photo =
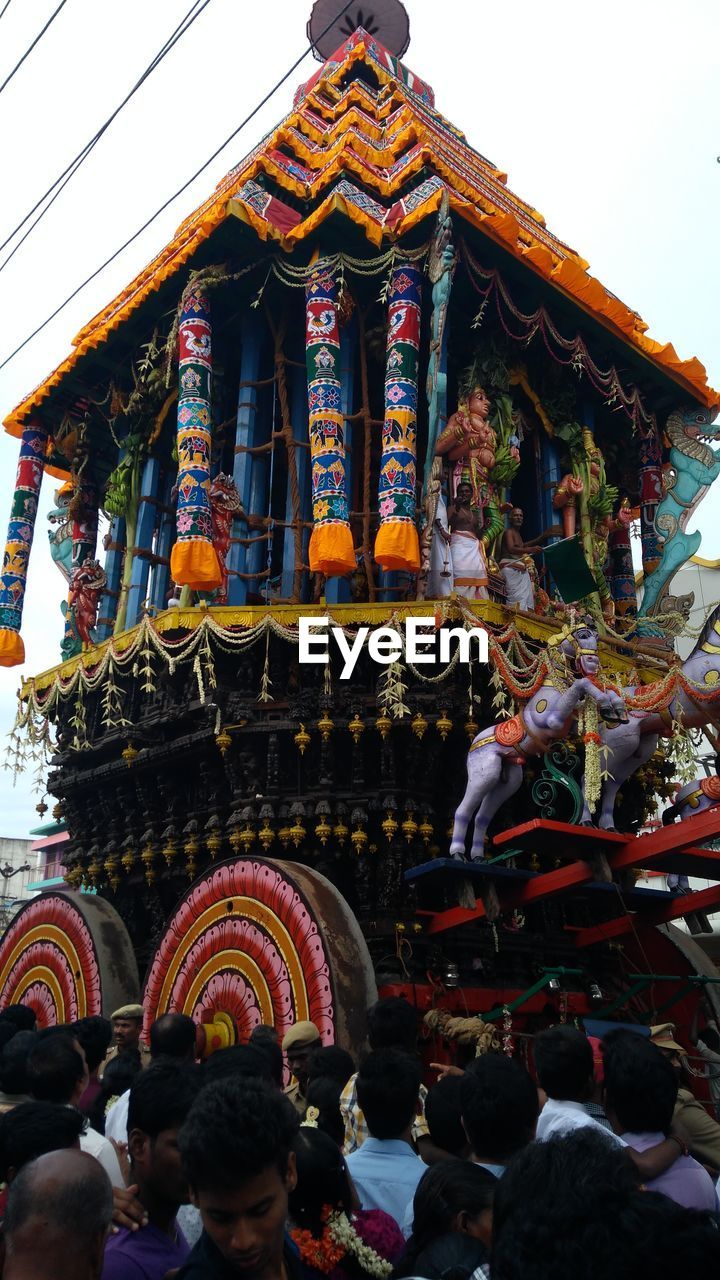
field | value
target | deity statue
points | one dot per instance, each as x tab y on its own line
440	572
565	499
469	438
60	534
87	585
225	506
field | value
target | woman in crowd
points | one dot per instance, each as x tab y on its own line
452	1222
332	1234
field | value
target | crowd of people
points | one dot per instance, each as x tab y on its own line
291	1161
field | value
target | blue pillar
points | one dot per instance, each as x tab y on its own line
147	516
245	437
299	421
165	539
113	571
337	590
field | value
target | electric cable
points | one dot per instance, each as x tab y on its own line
71	169
30	48
131	239
5	7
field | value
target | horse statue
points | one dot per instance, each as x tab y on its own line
688	695
693	468
498	753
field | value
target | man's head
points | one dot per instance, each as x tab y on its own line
499	1108
663	1037
572	1207
236	1151
33	1129
95	1035
392	1024
516	518
127	1025
13	1062
160	1100
443	1113
239	1061
640	1086
59	1208
564	1064
21	1016
297	1045
332	1062
463	494
56	1069
387	1092
173	1036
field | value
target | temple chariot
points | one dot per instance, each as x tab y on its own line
365	385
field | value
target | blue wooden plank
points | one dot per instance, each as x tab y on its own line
245	437
160	585
147	516
471	870
299	422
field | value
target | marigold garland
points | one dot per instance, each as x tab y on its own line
339	1238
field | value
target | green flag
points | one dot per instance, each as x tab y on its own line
571	571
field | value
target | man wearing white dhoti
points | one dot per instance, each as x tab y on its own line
470	576
440	577
519	587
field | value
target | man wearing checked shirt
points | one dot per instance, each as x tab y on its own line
392	1024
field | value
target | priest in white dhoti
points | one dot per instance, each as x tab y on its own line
467	551
514	553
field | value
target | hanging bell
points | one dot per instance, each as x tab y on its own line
419	725
325	726
302	739
356	727
443	724
383	724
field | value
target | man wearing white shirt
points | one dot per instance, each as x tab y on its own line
171	1036
564	1065
57	1072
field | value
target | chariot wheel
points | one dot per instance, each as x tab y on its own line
262	941
67	955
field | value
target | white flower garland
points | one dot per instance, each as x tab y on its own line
343	1233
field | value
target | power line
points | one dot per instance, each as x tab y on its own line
29	50
71	169
131	239
5	7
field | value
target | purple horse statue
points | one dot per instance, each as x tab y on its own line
497	755
690	696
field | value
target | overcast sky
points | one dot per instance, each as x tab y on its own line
605	117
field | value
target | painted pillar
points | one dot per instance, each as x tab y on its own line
337	590
245	438
84	546
331	545
21	528
146	521
166	533
298	418
622	574
194	562
650	450
397	545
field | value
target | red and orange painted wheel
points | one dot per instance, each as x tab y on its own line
67	955
264	942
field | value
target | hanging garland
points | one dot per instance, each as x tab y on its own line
574	351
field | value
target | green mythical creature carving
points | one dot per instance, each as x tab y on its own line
693	468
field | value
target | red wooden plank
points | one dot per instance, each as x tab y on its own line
547	885
683	905
641	851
